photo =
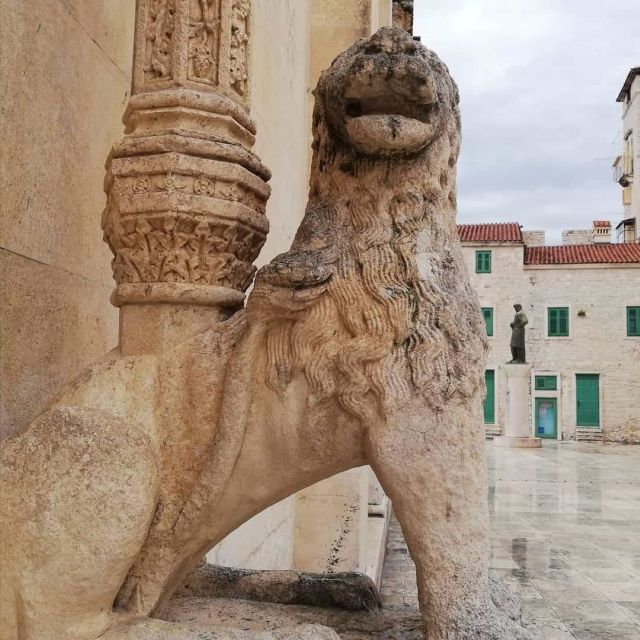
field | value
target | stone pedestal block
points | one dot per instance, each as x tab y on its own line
517	430
331	524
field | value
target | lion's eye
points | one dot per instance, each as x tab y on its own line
354	109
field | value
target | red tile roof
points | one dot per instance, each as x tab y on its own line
584	254
490	232
601	223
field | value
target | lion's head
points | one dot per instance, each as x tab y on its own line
386	95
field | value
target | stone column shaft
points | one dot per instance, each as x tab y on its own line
186	196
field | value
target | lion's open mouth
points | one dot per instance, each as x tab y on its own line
381	115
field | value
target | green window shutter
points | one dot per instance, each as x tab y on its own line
552	322
487	314
557	321
633	321
483	261
563	322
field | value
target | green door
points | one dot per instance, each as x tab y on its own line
587	400
490	398
546	417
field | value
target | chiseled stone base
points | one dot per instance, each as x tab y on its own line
517	443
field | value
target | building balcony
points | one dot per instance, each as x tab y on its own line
623	170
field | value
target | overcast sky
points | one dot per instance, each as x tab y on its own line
540	125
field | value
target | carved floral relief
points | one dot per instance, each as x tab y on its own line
159	28
201	185
240	11
173	249
204	39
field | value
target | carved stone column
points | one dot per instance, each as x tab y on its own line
186	196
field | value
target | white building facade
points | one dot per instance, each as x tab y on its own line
583	337
628	230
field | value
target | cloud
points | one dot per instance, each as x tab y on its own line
538	81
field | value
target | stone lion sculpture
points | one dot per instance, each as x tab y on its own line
361	345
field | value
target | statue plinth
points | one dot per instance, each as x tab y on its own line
517	429
186	196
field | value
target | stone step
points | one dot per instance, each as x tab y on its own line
491	431
589	435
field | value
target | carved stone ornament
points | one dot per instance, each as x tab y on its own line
203	44
159	23
363	344
240	45
186	197
204	39
179	218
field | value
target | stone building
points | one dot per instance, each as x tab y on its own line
583	337
628	230
65	81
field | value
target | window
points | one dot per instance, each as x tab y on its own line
628	154
557	322
483	261
487	314
633	322
546	383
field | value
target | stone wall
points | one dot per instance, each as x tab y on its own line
534	238
597	343
65	76
577	236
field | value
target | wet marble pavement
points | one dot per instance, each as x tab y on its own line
565	523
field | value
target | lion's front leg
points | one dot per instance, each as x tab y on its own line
432	467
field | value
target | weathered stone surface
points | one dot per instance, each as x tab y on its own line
627	432
403	14
364	344
146	629
352	591
400	620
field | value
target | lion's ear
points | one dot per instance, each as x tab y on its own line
292	282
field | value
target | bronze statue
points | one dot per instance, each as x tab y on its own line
518	355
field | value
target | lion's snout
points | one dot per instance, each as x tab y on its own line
386	95
389	96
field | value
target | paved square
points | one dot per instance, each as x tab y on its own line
565	525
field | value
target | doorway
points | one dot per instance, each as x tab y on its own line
546	417
587	400
490	398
